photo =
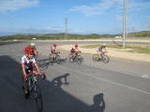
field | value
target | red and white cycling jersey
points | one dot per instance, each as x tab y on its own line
26	61
73	50
54	49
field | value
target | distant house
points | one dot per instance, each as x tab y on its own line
118	36
33	38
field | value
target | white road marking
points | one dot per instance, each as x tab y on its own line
112	82
127	72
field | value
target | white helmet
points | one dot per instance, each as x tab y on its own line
32	44
104	44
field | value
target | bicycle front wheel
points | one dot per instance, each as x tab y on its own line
105	59
58	59
38	100
79	59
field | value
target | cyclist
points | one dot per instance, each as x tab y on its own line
102	49
32	45
73	52
29	64
54	50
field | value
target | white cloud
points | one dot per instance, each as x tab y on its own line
137	6
99	8
53	28
109	5
9	5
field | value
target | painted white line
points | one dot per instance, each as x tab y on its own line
114	83
127	72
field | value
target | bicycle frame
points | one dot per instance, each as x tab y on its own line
56	58
34	91
32	85
103	58
77	58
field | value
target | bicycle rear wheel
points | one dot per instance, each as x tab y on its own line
95	57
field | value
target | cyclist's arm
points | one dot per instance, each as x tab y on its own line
36	52
23	70
77	50
58	50
104	50
37	67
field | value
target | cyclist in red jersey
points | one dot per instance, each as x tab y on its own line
54	50
28	63
73	52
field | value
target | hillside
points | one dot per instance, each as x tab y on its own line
62	36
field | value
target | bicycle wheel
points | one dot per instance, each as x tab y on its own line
95	57
35	92
105	59
38	100
79	59
58	59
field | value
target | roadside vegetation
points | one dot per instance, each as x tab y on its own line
62	36
128	48
143	35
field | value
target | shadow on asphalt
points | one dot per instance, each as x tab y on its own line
55	99
9	42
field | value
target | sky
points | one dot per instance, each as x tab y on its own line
81	16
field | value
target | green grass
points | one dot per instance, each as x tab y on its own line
128	48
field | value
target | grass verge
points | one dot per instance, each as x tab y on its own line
128	48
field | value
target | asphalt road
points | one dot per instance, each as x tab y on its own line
119	86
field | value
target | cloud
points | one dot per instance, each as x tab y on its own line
109	5
97	9
135	7
53	28
12	5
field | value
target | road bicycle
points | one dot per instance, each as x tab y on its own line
56	58
103	58
77	58
34	90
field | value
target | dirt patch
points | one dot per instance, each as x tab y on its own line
117	53
112	52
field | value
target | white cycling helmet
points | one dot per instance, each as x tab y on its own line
104	44
32	44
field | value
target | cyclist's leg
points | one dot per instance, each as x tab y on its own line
25	85
71	56
24	79
51	56
100	54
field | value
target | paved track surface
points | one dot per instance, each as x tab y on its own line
119	86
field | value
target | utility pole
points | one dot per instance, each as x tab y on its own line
66	29
124	23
